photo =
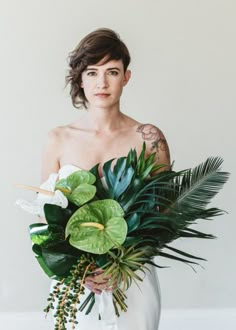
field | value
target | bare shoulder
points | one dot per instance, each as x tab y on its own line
56	134
152	135
155	142
52	151
130	122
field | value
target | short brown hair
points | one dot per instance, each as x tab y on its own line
100	44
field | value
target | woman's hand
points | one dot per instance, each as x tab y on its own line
97	281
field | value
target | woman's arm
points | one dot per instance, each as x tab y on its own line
51	154
50	158
155	142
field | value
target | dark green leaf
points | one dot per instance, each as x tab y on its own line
56	215
59	263
133	221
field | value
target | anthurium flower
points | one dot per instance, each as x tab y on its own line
78	187
97	226
37	205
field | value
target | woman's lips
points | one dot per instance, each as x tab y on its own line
103	95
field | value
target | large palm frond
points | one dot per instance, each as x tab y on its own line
177	199
196	188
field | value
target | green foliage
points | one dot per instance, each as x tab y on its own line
180	199
125	262
195	189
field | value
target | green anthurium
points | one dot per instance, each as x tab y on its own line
82	194
79	177
78	187
97	227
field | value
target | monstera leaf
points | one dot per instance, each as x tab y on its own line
118	179
78	187
97	227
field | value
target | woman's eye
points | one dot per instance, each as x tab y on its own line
91	73
113	73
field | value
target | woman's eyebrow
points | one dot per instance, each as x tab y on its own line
115	68
92	68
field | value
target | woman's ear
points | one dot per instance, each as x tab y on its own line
127	76
81	84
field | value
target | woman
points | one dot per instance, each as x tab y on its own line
98	73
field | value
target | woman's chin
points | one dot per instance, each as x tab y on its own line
105	103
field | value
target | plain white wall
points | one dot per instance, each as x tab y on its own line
183	80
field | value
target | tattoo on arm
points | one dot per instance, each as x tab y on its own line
152	133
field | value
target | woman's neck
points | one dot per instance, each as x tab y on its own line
104	119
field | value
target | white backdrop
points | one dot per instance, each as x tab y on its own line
183	80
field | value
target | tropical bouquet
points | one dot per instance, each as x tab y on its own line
119	223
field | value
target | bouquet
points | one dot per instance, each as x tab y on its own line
119	224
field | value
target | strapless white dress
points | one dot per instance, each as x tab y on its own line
144	303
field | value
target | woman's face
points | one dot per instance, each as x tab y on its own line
103	83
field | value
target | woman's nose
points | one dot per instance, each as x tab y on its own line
102	81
